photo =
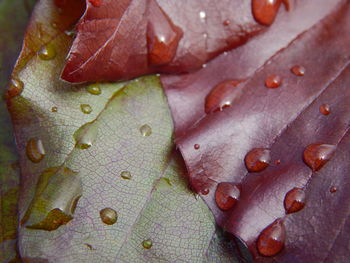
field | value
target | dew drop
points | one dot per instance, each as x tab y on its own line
325	109
265	11
298	70
204	191
317	155
294	200
125	175
94	89
54	109
86	108
47	52
273	81
226	195
226	22
35	150
108	216
221	96
15	87
96	3
333	189
271	240
196	146
86	135
257	159
162	36
146	130
147	244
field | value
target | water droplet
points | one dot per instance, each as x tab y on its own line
202	15
125	175
86	135
278	162
147	244
294	200
204	65
35	150
86	108
325	109
298	70
15	87
226	22
265	11
196	146
257	159
317	155
96	3
146	130
162	36
108	216
47	52
204	191
221	96
94	89
54	219
273	81
226	195
271	239
333	189
54	109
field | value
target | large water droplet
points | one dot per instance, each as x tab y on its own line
317	155
86	135
86	108
273	81
325	109
257	159
162	36
108	216
265	11
15	87
221	96
298	70
94	89
47	52
96	3
125	175
294	200
271	240
146	130
147	244
226	195
35	150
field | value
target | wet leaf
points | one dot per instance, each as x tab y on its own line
74	204
281	132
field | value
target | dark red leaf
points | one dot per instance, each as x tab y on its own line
141	37
307	148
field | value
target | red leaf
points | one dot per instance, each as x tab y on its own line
299	145
141	37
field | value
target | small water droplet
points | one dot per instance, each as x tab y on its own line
298	70
94	89
54	109
162	36
196	146
47	52
265	11
86	135
96	3
147	244
333	189
257	159
278	162
271	240
204	191
325	109
221	96
273	81
146	130
294	200
35	150
108	216
125	175
317	155
202	15
226	195
15	87
86	108
226	22
204	65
